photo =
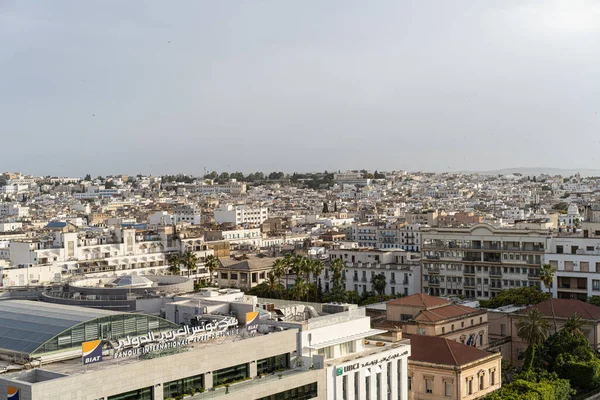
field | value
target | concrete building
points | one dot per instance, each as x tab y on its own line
241	214
480	261
350	178
253	356
401	270
233	188
187	213
13	210
428	217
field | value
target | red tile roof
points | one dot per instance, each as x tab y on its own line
437	350
420	300
445	312
564	308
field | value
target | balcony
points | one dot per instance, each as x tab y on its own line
434	271
355	278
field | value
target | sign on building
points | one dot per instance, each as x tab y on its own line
92	352
252	321
12	393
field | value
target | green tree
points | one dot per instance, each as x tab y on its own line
335	209
87	178
574	325
338	292
325	207
523	296
300	288
547	272
378	283
175	262
533	329
190	261
211	263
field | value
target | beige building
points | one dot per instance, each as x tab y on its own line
421	314
480	261
439	368
244	272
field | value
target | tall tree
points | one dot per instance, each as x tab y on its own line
190	260
338	291
335	206
533	329
547	272
325	207
574	325
212	263
300	288
378	283
175	261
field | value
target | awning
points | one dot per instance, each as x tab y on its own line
343	339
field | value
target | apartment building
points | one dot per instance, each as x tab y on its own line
387	236
480	261
13	210
350	178
232	187
427	217
187	213
241	214
401	270
577	264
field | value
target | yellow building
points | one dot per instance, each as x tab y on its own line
440	368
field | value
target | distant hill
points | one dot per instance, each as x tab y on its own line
539	171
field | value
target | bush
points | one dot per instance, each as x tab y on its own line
518	297
584	374
534	386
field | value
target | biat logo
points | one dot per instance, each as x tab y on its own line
12	393
252	321
92	352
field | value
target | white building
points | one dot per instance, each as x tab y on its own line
160	218
402	272
241	214
187	213
13	209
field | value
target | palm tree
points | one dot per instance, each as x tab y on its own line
190	260
212	263
547	272
318	268
175	260
279	268
533	329
300	288
378	283
574	324
338	292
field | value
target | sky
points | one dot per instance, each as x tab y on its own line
159	87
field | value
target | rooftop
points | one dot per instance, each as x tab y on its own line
420	300
441	351
565	308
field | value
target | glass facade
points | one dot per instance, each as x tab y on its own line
181	386
140	394
272	364
107	328
300	393
231	374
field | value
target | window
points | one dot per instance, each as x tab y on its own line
492	377
409	383
378	385
272	364
368	387
231	374
140	394
447	389
185	385
356	382
469	386
452	327
301	393
559	249
428	385
595	284
422	331
443	330
345	387
481	382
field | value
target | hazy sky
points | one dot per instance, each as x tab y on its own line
175	86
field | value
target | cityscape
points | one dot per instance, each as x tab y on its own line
340	285
285	200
